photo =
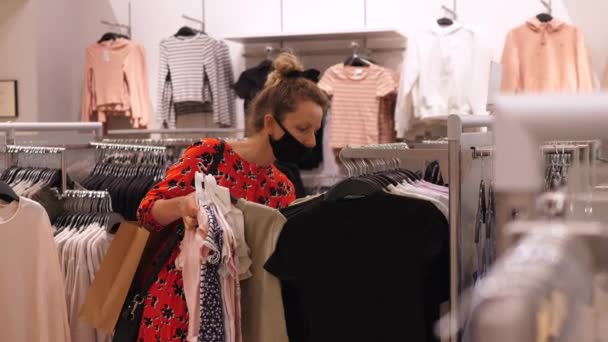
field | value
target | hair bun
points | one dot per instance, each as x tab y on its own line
285	64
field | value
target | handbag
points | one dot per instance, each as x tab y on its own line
127	327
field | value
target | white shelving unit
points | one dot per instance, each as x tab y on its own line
311	36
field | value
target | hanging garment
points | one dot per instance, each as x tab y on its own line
165	311
32	297
195	69
194	256
373	268
545	57
263	317
446	71
116	82
355	95
249	84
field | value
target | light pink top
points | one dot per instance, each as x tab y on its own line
116	81
546	57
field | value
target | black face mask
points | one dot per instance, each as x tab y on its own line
288	149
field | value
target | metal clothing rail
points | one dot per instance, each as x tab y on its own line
14	149
11	128
125	147
174	131
85	194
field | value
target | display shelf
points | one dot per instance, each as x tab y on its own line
307	36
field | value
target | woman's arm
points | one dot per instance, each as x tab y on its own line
168	211
165	203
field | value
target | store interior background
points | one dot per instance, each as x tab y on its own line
42	42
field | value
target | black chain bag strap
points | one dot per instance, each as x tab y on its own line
127	327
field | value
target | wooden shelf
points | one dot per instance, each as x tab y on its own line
308	36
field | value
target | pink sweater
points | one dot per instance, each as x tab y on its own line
116	82
545	57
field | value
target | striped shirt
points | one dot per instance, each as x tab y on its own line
355	92
196	69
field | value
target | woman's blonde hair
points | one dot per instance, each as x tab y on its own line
282	92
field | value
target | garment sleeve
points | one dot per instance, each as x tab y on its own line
226	109
583	64
410	71
327	82
87	91
137	78
179	180
511	67
480	78
243	86
165	93
386	83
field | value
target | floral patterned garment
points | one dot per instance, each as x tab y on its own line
165	316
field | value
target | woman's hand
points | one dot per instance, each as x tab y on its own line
188	208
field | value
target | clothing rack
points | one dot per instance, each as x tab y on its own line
85	194
14	149
11	128
125	147
459	144
214	131
154	142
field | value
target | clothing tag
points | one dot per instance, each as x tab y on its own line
106	56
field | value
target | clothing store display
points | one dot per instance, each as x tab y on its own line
446	71
82	234
102	306
28	181
355	93
31	282
165	310
409	243
126	179
116	82
263	317
195	69
546	57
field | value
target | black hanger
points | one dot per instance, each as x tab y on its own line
186	31
544	17
7	193
445	21
352	187
108	36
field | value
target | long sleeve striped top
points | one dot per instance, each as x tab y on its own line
196	69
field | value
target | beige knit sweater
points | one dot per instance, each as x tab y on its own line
545	57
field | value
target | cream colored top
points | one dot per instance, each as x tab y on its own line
32	300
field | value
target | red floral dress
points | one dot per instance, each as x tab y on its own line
165	316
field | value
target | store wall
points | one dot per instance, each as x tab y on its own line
42	42
18	53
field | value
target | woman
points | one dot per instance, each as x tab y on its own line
286	114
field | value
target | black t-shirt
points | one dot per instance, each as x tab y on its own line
368	269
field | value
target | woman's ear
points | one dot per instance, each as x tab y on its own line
268	123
